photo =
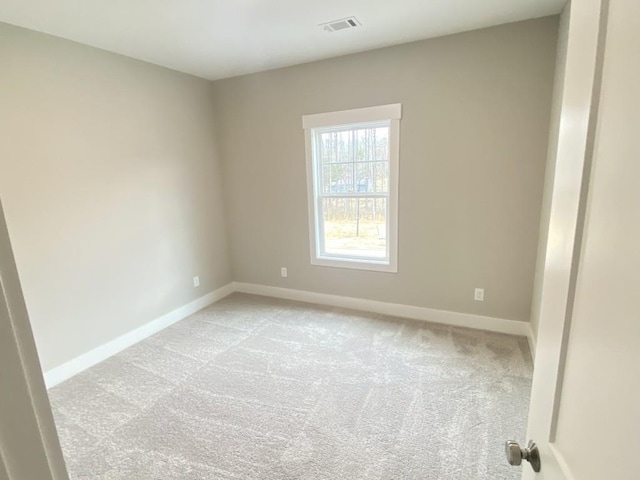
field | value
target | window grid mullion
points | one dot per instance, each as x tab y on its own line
354	195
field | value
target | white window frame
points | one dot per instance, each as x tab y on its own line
345	118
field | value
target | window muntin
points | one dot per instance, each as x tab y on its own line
352	169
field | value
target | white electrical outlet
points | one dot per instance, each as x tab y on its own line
479	295
196	281
283	272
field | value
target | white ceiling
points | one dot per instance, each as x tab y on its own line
222	38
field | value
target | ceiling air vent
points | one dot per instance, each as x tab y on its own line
342	24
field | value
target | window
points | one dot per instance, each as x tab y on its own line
352	181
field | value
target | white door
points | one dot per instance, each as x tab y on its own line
29	447
585	407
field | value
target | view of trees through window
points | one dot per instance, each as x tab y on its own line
353	188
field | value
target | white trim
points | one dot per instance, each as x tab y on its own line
87	360
394	185
468	320
353	263
346	117
311	188
531	338
22	379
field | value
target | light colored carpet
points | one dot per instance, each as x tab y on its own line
258	388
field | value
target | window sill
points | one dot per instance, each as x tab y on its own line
352	264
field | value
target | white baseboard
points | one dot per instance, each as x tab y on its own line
82	362
87	360
478	322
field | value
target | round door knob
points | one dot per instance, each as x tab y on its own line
515	454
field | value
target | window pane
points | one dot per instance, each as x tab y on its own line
355	227
353	159
382	180
340	178
382	143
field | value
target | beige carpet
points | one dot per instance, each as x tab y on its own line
257	388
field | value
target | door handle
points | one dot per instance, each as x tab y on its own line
515	454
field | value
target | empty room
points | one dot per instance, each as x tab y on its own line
267	239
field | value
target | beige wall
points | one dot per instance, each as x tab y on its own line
110	173
550	170
476	109
112	192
